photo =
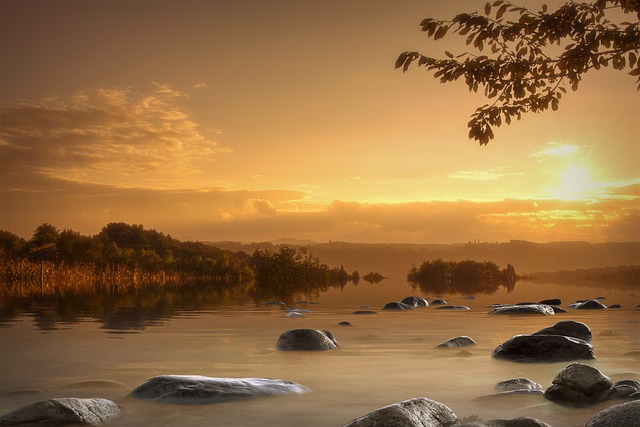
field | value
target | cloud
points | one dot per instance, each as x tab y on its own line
109	136
557	150
480	175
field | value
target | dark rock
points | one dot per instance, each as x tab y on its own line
395	305
364	312
515	422
543	348
453	307
557	309
625	414
524	309
415	301
199	389
624	389
461	341
306	340
568	328
518	384
552	301
69	410
275	303
439	302
344	324
614	306
416	412
578	385
588	305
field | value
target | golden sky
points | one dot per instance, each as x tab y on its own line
255	120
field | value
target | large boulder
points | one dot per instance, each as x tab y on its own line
524	309
416	412
460	341
199	389
543	348
625	414
68	410
518	384
578	384
568	328
415	301
306	340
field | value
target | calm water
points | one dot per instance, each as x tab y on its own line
118	343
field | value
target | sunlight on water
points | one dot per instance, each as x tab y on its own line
383	359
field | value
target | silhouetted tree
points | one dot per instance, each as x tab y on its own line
522	71
44	233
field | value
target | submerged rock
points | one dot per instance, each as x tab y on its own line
439	302
515	422
552	301
588	305
518	384
624	389
306	340
524	309
395	305
453	307
357	312
199	389
625	414
417	412
68	410
568	328
543	348
415	301
578	385
344	324
460	341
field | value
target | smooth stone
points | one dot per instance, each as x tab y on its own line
625	414
344	324
198	389
614	306
524	309
297	310
568	328
364	312
515	422
453	307
439	302
552	301
274	303
68	410
395	305
294	314
624	389
460	341
557	309
415	301
306	340
518	384
589	305
416	412
543	348
578	384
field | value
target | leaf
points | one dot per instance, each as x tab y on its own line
449	54
487	9
501	11
442	31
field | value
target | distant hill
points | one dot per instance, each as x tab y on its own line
395	259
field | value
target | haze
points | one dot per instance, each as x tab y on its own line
256	120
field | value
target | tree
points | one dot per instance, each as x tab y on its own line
522	71
43	234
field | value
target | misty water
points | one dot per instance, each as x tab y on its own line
114	343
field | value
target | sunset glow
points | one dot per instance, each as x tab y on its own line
254	121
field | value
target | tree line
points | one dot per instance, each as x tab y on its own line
125	255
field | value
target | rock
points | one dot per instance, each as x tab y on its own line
397	306
552	301
614	306
344	324
365	312
416	412
460	341
294	314
557	309
68	410
518	384
578	385
515	422
625	414
306	340
453	307
415	301
274	303
439	302
297	310
524	309
624	389
198	389
568	328
588	305
543	348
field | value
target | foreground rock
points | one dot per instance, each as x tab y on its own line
524	309
625	414
543	348
518	384
417	412
69	410
199	389
461	341
579	385
568	328
307	340
516	422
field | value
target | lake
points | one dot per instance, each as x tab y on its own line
113	343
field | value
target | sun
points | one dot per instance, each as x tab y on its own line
575	183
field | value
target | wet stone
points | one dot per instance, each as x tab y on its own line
69	410
306	340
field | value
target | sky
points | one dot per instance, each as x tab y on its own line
254	120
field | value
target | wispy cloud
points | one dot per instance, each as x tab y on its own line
556	150
481	175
